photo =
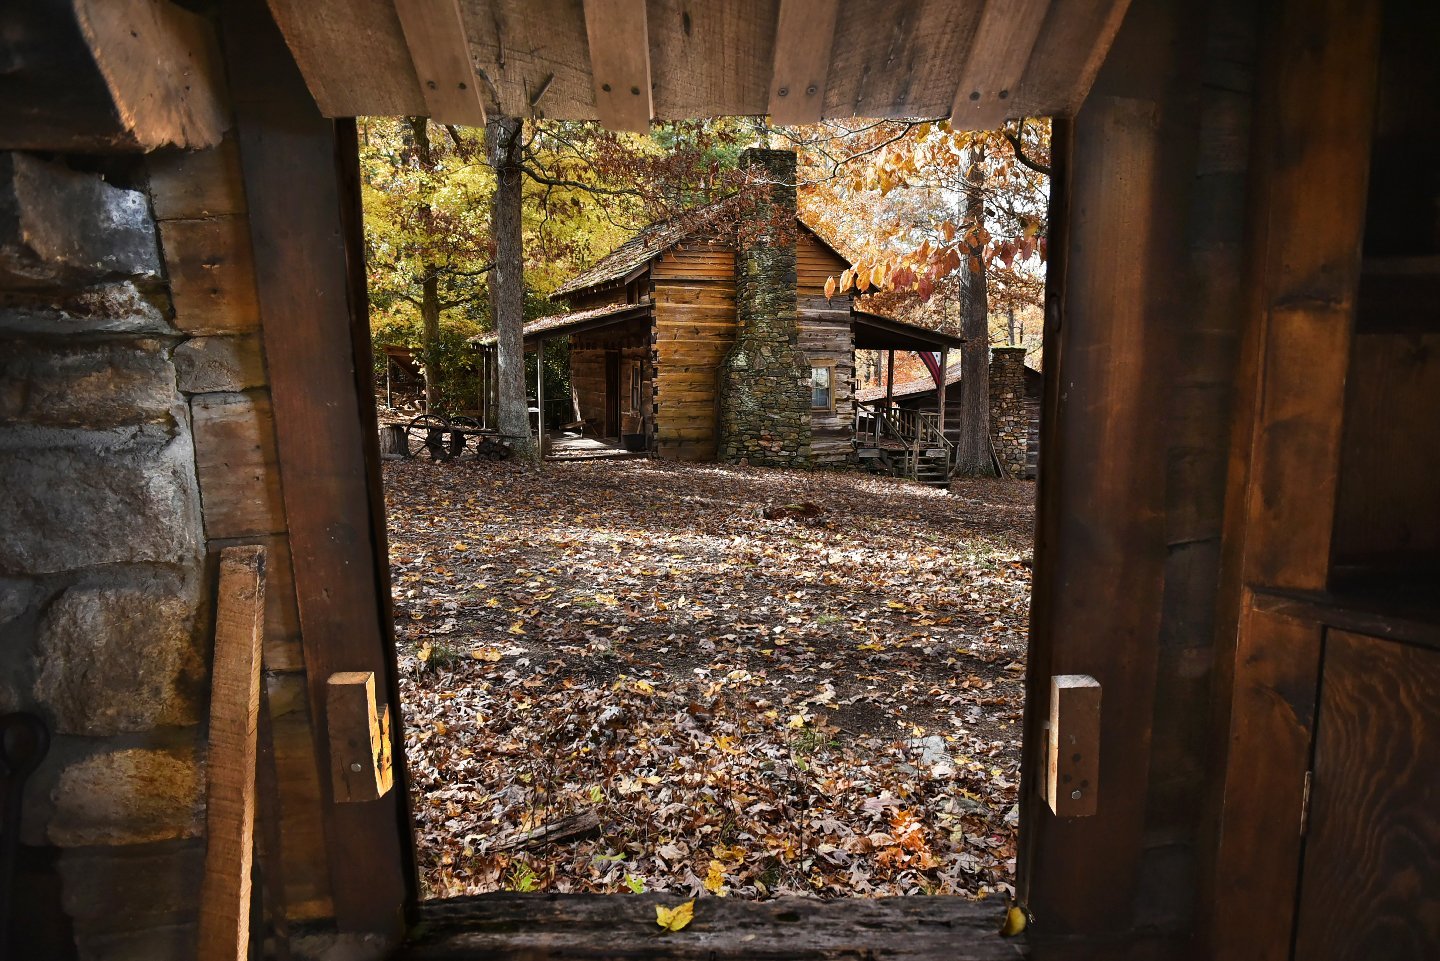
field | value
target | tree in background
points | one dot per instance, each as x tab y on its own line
928	209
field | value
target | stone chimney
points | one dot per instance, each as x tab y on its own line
765	379
1009	421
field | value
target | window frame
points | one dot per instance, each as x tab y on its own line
828	365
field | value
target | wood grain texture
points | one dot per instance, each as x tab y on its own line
804	33
290	157
535	55
1072	776
898	59
237	464
282	619
711	58
352	54
162	65
620	63
440	51
192	184
1073	43
212	274
1277	666
996	62
1371	884
231	756
595	927
360	760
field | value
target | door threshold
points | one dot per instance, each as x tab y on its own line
597	927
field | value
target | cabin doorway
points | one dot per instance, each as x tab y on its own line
612	394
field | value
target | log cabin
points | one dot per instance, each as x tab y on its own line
1231	727
670	355
1014	406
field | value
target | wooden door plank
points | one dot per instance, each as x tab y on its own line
1319	89
620	62
1371	884
231	758
804	34
998	55
435	34
299	217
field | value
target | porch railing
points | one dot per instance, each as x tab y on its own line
913	431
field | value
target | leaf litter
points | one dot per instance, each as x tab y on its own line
623	676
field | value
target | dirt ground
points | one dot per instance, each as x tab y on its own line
623	675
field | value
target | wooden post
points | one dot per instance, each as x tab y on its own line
540	395
940	393
230	761
889	386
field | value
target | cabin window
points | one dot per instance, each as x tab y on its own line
635	387
822	388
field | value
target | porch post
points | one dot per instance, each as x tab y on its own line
889	384
940	391
540	394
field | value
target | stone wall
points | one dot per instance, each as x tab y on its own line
136	441
764	394
1009	413
103	593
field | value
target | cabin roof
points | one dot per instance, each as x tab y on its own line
920	385
577	322
878	332
635	254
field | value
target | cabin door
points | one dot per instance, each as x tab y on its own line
612	393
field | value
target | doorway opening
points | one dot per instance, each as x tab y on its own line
685	672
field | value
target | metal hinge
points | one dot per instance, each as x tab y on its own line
1305	805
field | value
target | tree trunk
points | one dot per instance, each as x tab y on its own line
972	451
507	285
430	336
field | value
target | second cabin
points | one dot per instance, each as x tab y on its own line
697	342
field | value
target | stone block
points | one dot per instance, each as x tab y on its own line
87	384
100	895
207	365
105	308
15	596
63	228
130	796
91	498
122	656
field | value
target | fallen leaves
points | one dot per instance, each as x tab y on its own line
824	704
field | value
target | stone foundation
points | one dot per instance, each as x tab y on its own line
1009	418
765	378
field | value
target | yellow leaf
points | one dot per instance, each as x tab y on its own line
829	287
877	275
1014	921
459	546
486	654
673	919
645	687
517	628
715	879
440	727
862	280
424	653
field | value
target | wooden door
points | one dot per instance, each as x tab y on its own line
1370	888
612	393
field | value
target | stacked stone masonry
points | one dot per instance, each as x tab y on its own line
1009	411
765	378
135	443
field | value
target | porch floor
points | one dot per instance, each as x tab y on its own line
575	447
601	927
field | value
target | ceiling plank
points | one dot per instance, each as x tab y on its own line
898	58
996	64
532	56
804	33
353	56
620	62
435	34
1073	43
711	58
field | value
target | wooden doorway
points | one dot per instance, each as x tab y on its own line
612	393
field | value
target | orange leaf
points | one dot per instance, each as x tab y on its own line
829	287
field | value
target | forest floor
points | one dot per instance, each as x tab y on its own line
621	675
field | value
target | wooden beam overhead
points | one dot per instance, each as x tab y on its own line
620	63
435	34
996	63
804	34
352	54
